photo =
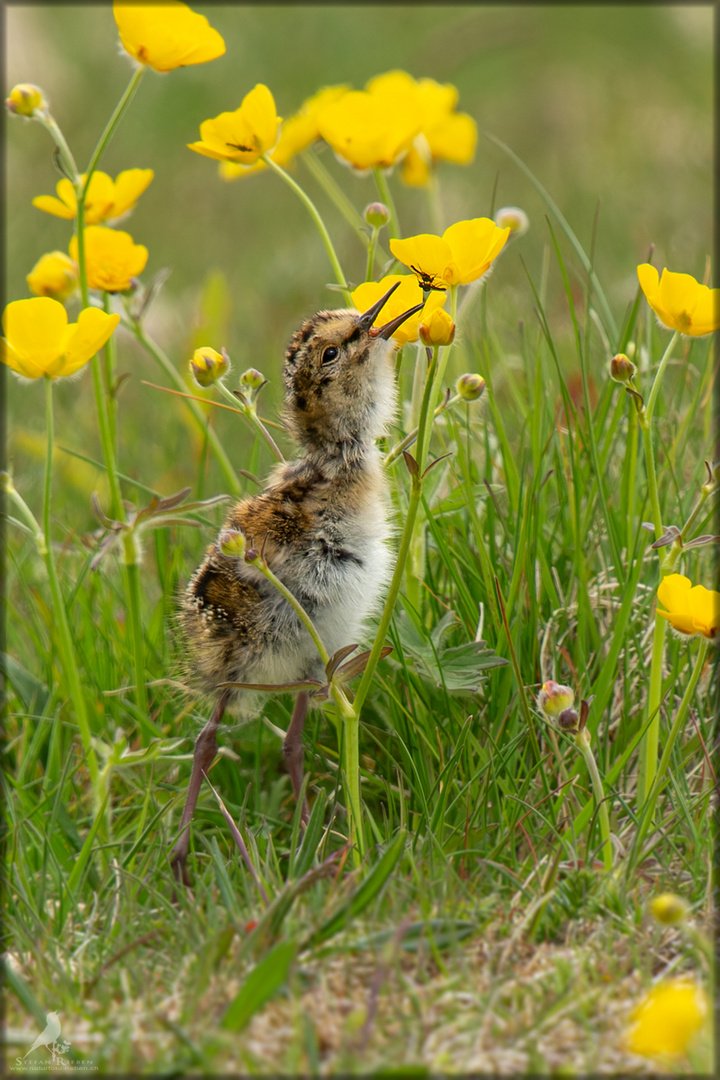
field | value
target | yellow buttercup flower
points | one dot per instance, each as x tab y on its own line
680	302
244	135
106	198
690	609
55	275
462	254
166	36
445	134
368	130
404	297
40	341
668	1019
111	258
296	134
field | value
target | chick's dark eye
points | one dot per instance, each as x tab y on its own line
330	354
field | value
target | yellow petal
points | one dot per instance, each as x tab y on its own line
426	254
649	280
474	245
368	130
674	595
704	606
259	110
415	168
706	317
232	170
453	138
54	206
129	186
83	339
168	35
99	198
673	592
34	331
25	367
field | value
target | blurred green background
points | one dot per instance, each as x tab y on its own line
607	105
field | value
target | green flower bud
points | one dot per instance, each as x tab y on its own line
376	214
232	543
470	386
207	366
513	218
25	100
252	378
622	369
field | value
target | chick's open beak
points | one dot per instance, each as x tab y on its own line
366	320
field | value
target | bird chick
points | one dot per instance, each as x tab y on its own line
323	529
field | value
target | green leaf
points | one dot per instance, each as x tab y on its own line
33	694
363	895
81	862
260	985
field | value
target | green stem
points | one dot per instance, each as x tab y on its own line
372	247
110	355
349	714
336	195
410	438
62	626
260	564
659	781
404	548
583	745
393	225
319	223
650	407
250	413
648	752
106	440
132	599
112	123
162	360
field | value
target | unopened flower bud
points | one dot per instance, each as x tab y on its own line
232	543
470	386
376	214
207	366
54	275
622	369
25	99
554	698
514	219
438	329
568	720
252	378
668	909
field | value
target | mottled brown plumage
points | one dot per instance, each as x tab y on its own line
322	527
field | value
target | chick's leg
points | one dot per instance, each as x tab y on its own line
205	749
293	749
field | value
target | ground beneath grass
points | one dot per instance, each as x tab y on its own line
494	1003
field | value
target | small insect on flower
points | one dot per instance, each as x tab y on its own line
429	281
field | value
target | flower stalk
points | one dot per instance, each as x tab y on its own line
319	223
